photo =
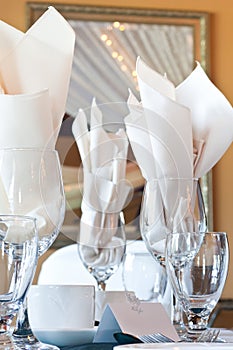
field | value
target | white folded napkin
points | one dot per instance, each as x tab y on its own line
26	120
177	132
35	70
212	119
162	145
105	190
190	126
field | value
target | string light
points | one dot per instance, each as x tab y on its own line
114	54
116	24
108	42
104	37
120	58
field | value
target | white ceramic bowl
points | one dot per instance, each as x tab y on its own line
66	337
62	314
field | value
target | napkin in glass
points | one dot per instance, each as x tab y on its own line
105	189
172	130
197	111
35	70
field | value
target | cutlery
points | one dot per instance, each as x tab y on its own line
208	336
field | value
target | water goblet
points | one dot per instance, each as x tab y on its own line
101	247
31	184
141	275
170	205
197	268
18	259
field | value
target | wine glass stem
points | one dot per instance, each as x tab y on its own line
22	323
178	313
101	285
197	323
178	320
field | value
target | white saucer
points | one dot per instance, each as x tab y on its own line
175	346
68	337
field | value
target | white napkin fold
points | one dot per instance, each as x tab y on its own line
35	70
26	120
162	145
177	133
194	121
212	118
106	190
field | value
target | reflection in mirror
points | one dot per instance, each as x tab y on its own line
108	42
105	57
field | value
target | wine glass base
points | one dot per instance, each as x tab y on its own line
180	328
32	343
6	342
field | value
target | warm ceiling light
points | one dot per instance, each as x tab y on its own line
114	54
104	37
123	67
116	24
120	58
109	42
134	73
122	27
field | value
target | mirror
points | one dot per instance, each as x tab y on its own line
108	41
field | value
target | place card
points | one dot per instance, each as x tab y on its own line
136	318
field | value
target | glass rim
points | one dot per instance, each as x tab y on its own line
14	217
216	232
174	178
35	149
198	233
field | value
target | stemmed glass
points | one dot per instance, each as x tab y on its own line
197	267
141	275
170	205
31	184
101	247
18	259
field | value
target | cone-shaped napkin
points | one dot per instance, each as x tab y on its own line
177	132
192	121
105	190
35	70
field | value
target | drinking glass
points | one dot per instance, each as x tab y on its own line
170	205
197	268
31	184
18	259
101	247
141	275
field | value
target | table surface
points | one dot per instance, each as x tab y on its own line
226	334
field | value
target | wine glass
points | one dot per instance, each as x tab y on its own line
170	205
31	184
18	259
197	267
141	275
101	247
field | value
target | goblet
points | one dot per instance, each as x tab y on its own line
141	275
31	184
170	205
101	247
18	259
197	268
